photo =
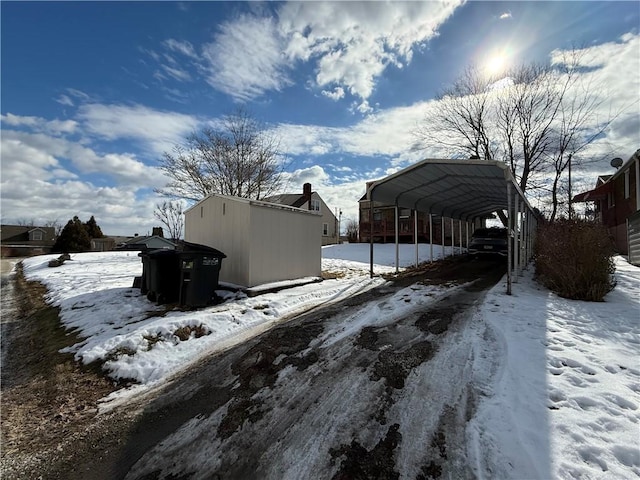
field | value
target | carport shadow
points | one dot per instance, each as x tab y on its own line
510	435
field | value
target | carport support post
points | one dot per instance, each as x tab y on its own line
442	232
516	224
509	222
466	225
453	238
523	223
460	237
397	238
371	237
415	232
431	237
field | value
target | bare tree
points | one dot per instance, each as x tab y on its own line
24	222
171	216
240	158
535	119
352	229
56	225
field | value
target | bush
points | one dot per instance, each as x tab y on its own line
573	258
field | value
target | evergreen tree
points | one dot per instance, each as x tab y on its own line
93	230
73	238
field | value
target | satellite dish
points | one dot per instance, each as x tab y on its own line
616	162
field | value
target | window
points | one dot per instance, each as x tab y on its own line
405	213
377	215
315	205
325	229
627	192
36	235
611	199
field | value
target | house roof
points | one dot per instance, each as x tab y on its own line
605	182
20	233
142	240
291	199
461	189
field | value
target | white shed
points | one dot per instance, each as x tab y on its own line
264	242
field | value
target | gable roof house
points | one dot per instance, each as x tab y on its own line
616	201
310	200
23	241
151	242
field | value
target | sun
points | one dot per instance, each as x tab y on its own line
496	64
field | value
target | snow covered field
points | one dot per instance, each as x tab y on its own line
563	401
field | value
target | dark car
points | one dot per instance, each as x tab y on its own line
489	241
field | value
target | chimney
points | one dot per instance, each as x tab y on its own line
306	192
157	231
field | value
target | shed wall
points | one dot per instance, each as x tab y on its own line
285	245
223	223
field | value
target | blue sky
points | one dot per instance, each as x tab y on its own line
93	93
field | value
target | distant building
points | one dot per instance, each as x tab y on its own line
309	200
146	243
23	241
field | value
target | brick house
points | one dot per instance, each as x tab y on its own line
616	200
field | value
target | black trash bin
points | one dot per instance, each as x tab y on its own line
161	277
199	272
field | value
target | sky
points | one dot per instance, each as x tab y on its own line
557	381
93	93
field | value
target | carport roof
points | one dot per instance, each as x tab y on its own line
461	189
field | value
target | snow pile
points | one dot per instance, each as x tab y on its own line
561	384
142	342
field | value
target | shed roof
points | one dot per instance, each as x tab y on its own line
461	189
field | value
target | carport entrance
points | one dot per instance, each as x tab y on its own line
463	190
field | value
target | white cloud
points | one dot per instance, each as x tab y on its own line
49	169
245	58
336	94
54	127
505	15
158	130
354	42
181	46
349	43
177	73
65	100
22	150
616	91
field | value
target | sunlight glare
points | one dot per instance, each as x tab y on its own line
496	64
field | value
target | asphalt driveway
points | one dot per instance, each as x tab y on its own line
316	398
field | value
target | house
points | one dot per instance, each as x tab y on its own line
264	242
151	242
310	200
24	241
616	201
384	224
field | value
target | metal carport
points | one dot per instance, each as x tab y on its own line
462	190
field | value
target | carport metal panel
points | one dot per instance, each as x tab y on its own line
458	189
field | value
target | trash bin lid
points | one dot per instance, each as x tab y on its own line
162	252
188	247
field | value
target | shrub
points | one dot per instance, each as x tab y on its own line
573	258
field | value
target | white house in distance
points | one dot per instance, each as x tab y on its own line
310	200
264	242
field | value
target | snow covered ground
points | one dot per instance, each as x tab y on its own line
559	379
